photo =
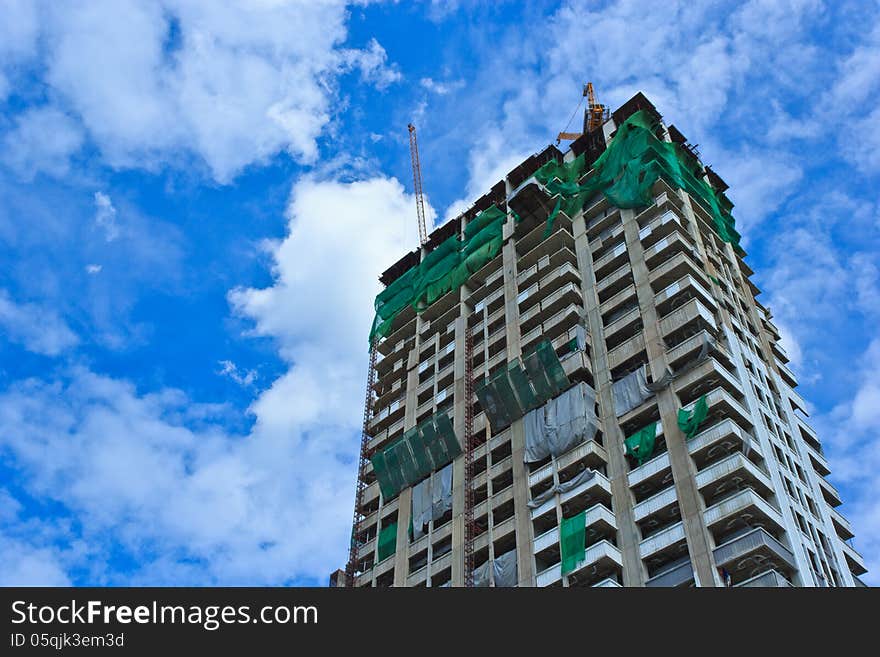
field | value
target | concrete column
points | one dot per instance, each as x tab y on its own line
459	410
690	502
628	535
524	533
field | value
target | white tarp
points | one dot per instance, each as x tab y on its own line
630	391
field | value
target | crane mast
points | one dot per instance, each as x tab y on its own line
417	182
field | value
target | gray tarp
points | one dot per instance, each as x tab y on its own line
504	569
708	344
564	487
431	498
580	336
441	491
562	423
630	391
536	441
481	575
421	507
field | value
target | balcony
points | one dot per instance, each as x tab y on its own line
532	247
610	261
692	314
753	552
829	492
818	461
665	248
678	266
706	377
747	507
623	328
626	351
527	276
661	226
614	282
681	575
598	517
600	244
841	525
596	488
592	453
603	555
608	582
854	560
786	374
674	295
651	474
606	308
723	437
662	541
657	512
729	473
769	579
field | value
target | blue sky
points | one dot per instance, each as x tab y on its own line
184	308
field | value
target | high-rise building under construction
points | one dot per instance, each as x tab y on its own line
572	384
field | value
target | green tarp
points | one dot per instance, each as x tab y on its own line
640	445
387	543
689	421
573	541
512	392
444	269
420	450
626	171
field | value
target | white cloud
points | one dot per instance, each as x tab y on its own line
232	84
23	564
373	65
242	378
94	269
42	141
157	477
105	216
39	329
441	88
849	434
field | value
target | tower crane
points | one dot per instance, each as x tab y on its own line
594	116
417	183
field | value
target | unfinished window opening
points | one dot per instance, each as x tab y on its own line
504	480
502	513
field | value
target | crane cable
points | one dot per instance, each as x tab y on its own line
571	118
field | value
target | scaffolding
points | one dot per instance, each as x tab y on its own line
469	527
352	567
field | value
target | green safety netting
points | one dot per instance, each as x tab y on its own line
640	445
626	171
572	541
689	421
387	543
511	392
524	391
421	450
444	269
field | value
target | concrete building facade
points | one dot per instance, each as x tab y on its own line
619	293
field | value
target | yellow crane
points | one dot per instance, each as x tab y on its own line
596	114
